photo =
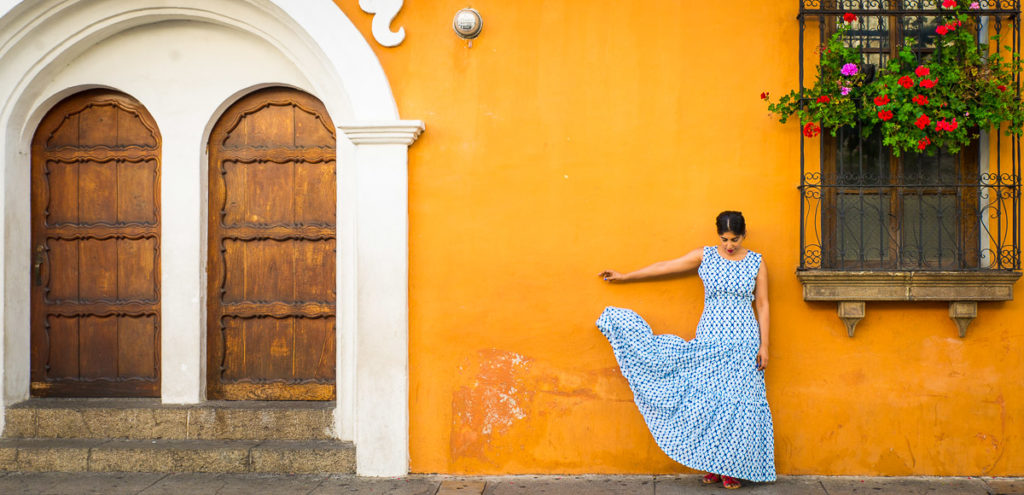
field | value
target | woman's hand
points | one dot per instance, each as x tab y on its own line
612	276
762	358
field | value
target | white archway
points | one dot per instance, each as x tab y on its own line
39	39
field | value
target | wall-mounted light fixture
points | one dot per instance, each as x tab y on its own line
467	24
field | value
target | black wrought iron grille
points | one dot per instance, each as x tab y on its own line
863	208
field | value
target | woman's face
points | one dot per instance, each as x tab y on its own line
731	242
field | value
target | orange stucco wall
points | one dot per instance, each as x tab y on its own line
575	136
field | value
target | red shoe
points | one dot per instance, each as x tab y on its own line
730	483
711	478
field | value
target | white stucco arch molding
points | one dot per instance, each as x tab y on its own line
39	37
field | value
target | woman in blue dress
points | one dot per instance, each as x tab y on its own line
704	399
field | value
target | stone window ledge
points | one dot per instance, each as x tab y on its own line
963	290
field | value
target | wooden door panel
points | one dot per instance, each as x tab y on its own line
261	351
96	249
314	194
62	208
286	271
135	192
62	264
97	262
134	333
94	270
135	265
290	193
271	303
62	336
97	344
99	203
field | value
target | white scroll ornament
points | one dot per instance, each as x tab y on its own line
384	11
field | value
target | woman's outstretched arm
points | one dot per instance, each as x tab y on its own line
687	262
761	303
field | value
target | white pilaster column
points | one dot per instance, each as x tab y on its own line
182	273
373	350
15	349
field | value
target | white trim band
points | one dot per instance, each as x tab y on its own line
396	132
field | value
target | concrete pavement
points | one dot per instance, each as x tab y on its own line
226	484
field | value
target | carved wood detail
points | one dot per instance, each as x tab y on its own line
270	307
96	249
279	232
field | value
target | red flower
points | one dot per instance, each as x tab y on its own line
922	122
928	83
942	30
1001	87
882	100
920	99
764	95
922	144
824	99
952	26
943	125
922	71
812	129
949	3
885	115
848	17
906	82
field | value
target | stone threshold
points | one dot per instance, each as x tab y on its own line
164	456
153	403
149	419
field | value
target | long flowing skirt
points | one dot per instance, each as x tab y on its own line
703	400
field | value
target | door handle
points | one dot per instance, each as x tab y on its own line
37	264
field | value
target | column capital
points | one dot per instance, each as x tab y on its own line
383	132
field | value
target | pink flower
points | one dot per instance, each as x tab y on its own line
844	91
975	6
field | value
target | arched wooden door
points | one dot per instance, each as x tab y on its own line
96	249
271	297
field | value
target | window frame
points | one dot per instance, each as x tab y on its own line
972	184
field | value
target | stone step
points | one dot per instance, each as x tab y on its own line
149	419
190	456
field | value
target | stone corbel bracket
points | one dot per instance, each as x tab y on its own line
384	12
963	290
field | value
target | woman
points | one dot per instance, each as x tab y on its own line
704	400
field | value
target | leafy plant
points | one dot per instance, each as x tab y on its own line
919	105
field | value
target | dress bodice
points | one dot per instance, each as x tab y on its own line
728	279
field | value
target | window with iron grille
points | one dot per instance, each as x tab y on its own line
864	208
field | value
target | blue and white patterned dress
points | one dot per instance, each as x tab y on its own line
704	399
